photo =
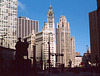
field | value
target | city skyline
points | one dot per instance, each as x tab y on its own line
75	12
49	37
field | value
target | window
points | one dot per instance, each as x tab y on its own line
50	14
62	24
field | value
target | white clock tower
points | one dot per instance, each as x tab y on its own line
50	20
51	29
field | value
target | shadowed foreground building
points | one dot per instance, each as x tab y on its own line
87	57
7	56
94	22
98	20
94	35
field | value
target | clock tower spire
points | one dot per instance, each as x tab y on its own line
50	19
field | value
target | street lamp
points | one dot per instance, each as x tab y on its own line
49	50
56	56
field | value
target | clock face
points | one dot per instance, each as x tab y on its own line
50	19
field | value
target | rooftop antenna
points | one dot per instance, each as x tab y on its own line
50	2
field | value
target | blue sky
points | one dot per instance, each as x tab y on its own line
76	12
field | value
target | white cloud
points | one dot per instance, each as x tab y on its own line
22	6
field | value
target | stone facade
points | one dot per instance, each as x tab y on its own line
78	60
63	41
47	35
51	33
42	46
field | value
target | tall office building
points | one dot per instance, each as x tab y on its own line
25	26
94	22
63	41
94	35
98	21
8	22
98	4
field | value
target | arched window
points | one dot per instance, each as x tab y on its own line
50	14
62	24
